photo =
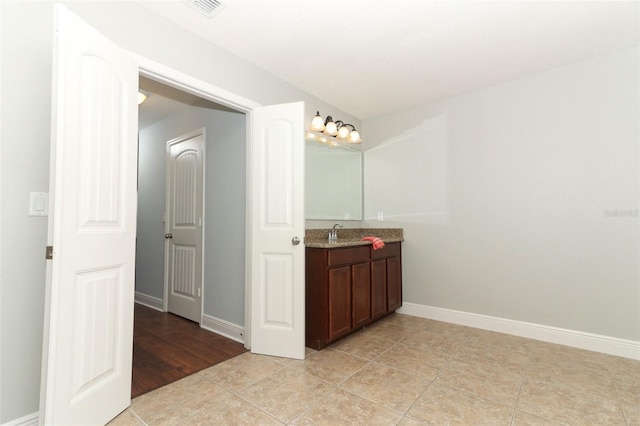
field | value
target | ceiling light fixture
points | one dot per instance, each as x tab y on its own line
142	96
337	129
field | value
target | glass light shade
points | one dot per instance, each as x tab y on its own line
331	128
354	137
343	132
317	124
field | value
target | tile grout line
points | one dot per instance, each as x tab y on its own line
259	408
336	386
522	379
137	416
315	403
235	392
620	404
403	414
435	377
312	405
453	357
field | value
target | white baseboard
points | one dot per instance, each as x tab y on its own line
28	420
577	339
217	325
149	301
223	328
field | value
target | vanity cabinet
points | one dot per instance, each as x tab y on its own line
348	288
349	299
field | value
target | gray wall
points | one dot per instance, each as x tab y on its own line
225	212
505	197
24	167
26	34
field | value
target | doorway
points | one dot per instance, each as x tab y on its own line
167	114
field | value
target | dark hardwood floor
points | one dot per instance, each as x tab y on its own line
167	347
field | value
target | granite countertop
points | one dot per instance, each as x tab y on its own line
349	237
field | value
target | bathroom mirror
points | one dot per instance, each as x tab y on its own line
333	187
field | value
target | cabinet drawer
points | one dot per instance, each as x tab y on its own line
389	250
348	256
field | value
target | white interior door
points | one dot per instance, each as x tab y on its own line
277	296
184	225
90	280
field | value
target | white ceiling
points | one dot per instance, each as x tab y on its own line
372	57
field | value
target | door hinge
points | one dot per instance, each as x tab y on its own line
49	253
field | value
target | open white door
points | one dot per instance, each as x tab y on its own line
90	281
277	231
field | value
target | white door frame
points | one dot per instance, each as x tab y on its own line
186	83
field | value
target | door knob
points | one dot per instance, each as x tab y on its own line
168	235
295	241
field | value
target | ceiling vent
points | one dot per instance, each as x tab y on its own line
208	8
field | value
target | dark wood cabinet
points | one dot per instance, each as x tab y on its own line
360	295
378	288
394	284
348	288
339	303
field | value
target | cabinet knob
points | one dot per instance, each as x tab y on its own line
168	236
295	241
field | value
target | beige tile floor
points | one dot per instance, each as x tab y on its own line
406	370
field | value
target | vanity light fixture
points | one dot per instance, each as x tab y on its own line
343	133
330	127
352	136
338	129
317	124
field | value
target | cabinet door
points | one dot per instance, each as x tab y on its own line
378	288
394	284
361	295
339	302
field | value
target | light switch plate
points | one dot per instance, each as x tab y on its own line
38	204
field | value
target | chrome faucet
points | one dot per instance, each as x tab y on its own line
333	234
